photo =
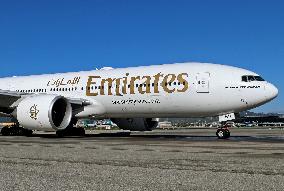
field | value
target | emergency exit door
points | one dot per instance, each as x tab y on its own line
202	80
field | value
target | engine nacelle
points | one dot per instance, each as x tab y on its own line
137	124
41	112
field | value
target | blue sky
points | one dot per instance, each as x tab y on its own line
47	36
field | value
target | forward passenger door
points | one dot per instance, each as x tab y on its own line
203	84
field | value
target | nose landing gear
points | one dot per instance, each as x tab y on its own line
223	133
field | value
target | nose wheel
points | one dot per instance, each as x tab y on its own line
223	133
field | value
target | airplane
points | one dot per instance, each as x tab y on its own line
133	98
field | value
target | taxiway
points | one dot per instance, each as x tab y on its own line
192	159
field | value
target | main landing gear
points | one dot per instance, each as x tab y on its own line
71	130
223	132
15	130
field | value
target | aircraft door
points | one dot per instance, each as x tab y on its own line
202	80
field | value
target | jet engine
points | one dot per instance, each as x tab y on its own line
136	124
41	112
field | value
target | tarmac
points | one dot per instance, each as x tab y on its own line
187	159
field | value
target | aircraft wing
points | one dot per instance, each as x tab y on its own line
7	98
10	99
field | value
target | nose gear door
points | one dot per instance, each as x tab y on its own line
202	80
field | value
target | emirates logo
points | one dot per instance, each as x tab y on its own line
34	112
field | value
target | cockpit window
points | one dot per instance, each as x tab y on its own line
244	78
258	78
252	78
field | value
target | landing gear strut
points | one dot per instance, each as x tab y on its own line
223	132
71	130
15	130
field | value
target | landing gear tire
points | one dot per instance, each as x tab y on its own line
228	133
60	133
15	130
223	133
28	133
71	132
5	131
81	131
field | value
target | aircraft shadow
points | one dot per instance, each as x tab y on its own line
129	135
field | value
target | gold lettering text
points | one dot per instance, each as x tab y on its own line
181	79
132	84
145	85
89	83
156	82
168	80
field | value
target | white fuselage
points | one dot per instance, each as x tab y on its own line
174	90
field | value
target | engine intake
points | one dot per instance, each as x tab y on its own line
41	112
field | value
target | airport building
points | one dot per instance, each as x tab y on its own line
261	120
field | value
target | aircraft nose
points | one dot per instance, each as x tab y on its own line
272	91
